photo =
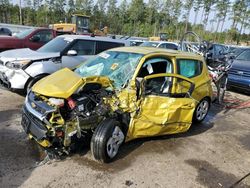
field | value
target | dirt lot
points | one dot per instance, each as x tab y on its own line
213	154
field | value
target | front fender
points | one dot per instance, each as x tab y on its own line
42	67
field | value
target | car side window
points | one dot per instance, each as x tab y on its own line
44	36
171	46
189	67
163	86
162	46
103	45
84	47
155	66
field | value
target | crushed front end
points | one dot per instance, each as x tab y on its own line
57	123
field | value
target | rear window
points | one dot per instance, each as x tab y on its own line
102	46
189	68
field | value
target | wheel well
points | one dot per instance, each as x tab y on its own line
36	77
209	99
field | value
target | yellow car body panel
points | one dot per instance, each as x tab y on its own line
60	86
151	115
161	116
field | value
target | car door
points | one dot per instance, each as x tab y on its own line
83	49
163	109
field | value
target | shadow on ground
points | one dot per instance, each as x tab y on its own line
210	176
130	151
18	155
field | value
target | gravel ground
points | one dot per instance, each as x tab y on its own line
213	154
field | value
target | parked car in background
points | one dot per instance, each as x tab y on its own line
21	68
235	51
5	31
117	96
135	42
239	74
216	53
30	38
160	44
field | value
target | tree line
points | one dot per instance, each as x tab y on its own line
140	18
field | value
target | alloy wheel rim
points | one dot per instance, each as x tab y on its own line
202	110
114	142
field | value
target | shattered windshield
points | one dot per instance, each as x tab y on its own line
118	66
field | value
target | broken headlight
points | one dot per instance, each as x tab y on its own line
16	64
56	102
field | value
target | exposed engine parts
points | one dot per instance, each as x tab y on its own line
64	121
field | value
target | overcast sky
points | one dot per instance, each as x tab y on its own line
210	27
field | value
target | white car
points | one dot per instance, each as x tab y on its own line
161	44
21	68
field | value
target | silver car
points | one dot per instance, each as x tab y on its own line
21	68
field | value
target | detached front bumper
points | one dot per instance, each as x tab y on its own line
13	79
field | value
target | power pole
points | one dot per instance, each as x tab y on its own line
20	12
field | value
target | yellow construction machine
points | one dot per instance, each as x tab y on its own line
80	24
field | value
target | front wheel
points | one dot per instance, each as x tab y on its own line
106	140
201	110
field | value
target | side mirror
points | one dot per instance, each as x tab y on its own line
72	53
35	38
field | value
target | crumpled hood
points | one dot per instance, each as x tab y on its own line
63	83
26	54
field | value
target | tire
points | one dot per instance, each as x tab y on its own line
222	88
106	140
201	110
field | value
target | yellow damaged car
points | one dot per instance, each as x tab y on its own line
119	95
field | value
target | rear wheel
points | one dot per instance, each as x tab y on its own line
222	89
201	110
106	140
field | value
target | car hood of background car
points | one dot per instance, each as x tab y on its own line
26	54
63	83
241	65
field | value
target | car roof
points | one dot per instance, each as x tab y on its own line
150	50
95	38
163	42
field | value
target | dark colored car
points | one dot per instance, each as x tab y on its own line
235	51
30	38
5	31
239	74
216	52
